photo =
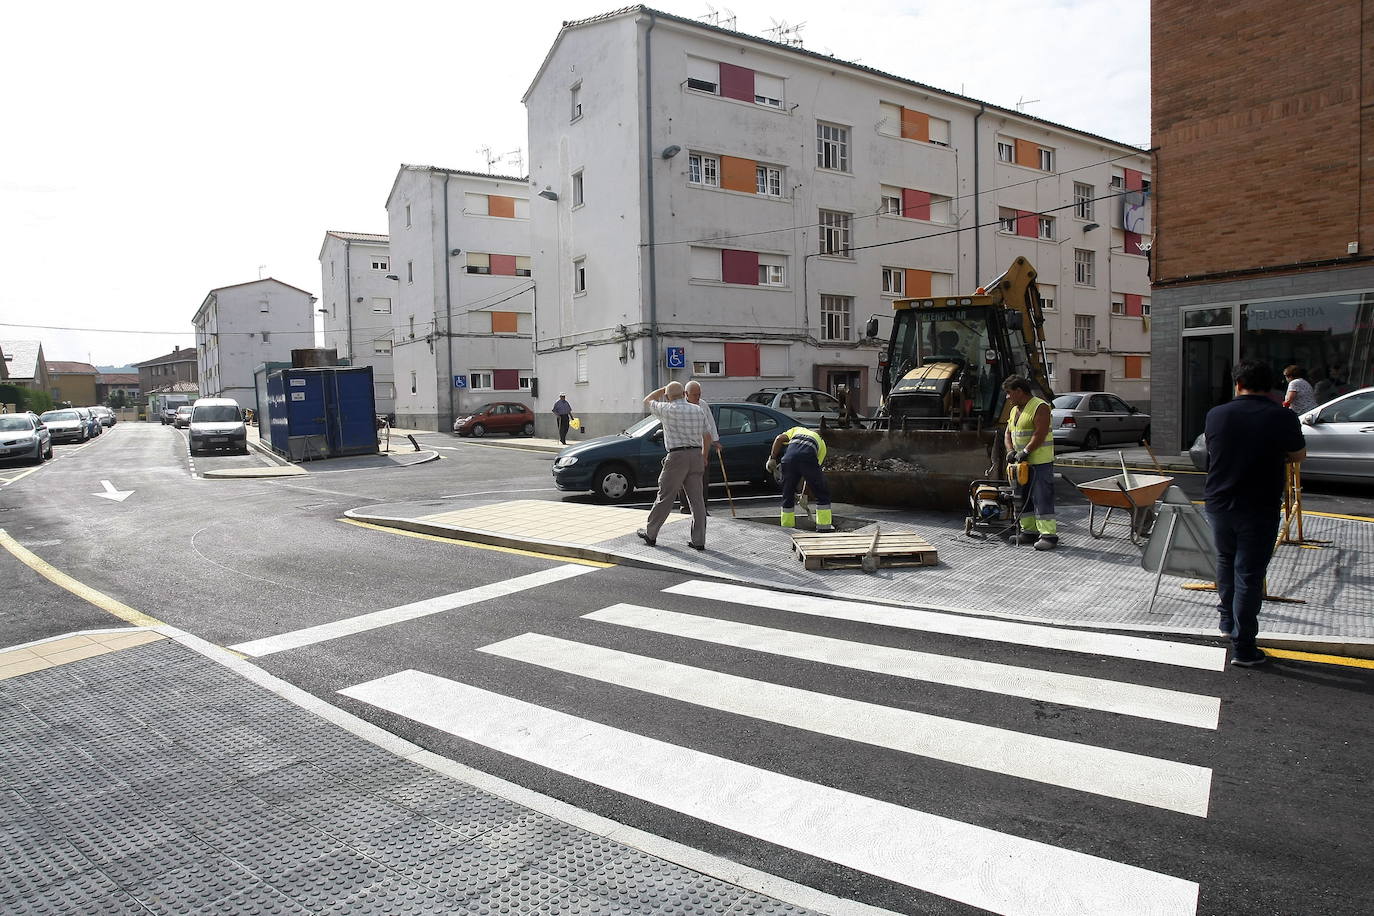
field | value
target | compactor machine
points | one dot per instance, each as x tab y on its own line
944	412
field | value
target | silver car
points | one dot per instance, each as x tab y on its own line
66	425
23	436
1089	419
806	404
1340	440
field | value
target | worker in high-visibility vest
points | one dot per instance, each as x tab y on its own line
802	452
1029	442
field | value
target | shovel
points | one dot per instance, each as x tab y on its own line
870	559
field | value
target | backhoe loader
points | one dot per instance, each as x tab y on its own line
944	411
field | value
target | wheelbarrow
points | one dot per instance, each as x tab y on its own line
1135	494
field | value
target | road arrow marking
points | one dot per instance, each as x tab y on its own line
111	493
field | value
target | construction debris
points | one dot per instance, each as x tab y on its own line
853	462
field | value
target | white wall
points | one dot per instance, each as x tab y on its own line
347	275
245	326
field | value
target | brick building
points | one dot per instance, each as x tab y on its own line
1263	126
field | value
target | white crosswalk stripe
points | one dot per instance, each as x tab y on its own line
1117	774
967	863
1070	689
1208	658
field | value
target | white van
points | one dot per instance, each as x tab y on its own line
217	423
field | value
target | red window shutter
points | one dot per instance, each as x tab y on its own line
736	82
915	125
742	359
1134	367
505	379
1134	179
1026	224
503	265
918	283
739	266
1132	245
915	204
1133	309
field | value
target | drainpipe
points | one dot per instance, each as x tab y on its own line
448	311
977	201
649	169
348	293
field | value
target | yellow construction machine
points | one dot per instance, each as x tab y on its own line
944	411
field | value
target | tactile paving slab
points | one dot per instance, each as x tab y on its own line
153	780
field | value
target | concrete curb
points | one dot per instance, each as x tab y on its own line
1352	647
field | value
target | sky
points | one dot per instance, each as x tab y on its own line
154	151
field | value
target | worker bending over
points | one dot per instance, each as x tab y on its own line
802	452
1028	440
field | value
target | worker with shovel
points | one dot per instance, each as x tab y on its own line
802	452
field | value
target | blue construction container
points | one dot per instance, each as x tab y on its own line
322	413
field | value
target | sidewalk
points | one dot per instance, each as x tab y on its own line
397	451
159	778
1096	582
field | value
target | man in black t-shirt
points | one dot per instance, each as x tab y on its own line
1250	440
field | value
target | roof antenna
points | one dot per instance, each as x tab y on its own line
491	159
721	19
1022	102
261	268
785	34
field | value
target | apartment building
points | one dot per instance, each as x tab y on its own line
1265	216
357	289
463	308
738	210
73	383
238	328
162	373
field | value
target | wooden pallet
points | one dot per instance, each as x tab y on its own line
846	551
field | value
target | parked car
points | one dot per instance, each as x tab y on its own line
22	435
105	415
181	418
1340	440
807	405
91	420
65	425
612	467
168	414
499	417
217	423
1088	419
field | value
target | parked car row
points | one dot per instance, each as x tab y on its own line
73	424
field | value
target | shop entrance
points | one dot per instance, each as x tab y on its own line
1206	380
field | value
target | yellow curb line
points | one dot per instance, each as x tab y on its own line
20	476
434	537
1321	659
61	579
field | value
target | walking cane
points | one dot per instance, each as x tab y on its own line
726	477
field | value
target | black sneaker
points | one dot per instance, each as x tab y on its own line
696	546
1252	659
1027	537
644	536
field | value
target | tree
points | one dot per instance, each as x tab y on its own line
118	399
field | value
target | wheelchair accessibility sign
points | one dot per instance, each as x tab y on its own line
677	357
460	381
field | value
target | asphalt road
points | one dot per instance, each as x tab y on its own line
239	562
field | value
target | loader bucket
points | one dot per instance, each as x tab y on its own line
920	469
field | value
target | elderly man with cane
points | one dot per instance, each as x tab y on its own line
689	447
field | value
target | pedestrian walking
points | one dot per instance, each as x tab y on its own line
1300	397
689	448
563	411
802	452
693	392
1029	442
1250	439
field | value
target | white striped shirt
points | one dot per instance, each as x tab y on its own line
684	423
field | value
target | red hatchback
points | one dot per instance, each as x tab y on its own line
503	417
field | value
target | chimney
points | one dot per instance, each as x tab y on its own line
176	349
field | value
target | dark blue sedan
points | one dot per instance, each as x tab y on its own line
613	467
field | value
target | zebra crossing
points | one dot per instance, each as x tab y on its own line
994	870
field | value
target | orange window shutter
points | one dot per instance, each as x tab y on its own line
738	174
1133	367
501	206
1028	153
917	283
915	125
503	323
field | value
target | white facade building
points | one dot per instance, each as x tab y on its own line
754	203
463	308
240	327
357	293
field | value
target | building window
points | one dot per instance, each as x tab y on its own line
835	317
407	216
522	266
381	347
1046	160
1046	227
768	90
703	75
894	280
1047	296
381	263
1145	306
891	203
480	379
412	377
1006	152
410	271
579	275
1118	182
834	233
1083	336
772	274
381	305
582	365
1006	221
1083	262
768	180
1082	200
703	170
1118	307
832	147
577	199
708	367
576	99
478	263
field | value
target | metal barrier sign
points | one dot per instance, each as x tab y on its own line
1181	543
